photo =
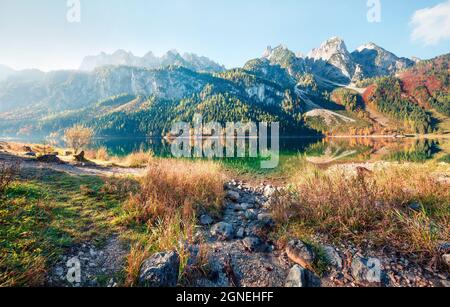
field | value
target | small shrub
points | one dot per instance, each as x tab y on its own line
8	172
78	137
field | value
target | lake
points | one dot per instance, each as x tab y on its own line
321	151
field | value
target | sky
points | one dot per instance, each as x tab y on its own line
48	35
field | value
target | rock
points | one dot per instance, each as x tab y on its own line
446	259
80	157
92	252
240	233
251	214
206	220
233	196
30	154
246	206
237	208
415	207
445	283
265	218
223	231
333	256
296	277
269	191
300	253
300	278
59	271
27	148
366	270
444	247
48	159
160	270
252	243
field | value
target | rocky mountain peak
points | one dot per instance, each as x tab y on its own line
376	61
328	49
268	52
368	46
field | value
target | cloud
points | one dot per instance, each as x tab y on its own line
431	25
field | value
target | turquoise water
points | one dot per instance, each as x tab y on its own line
316	150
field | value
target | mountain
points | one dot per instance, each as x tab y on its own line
332	62
334	52
5	72
129	95
150	61
376	61
416	97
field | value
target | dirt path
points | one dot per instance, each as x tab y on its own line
238	251
80	169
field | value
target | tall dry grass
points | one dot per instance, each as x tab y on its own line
138	159
171	186
371	206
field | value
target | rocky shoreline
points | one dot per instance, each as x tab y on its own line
235	250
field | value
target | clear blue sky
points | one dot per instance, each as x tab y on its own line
37	33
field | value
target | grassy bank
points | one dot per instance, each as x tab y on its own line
44	212
403	206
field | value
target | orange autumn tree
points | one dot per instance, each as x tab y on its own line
78	137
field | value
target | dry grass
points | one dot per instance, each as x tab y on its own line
172	186
371	206
100	154
171	196
135	258
138	159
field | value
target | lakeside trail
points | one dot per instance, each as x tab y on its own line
237	247
77	169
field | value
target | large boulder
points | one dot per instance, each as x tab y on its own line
300	253
160	270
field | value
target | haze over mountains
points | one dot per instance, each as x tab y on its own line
279	85
150	61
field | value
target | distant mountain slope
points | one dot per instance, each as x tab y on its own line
302	92
410	95
150	61
163	95
375	61
5	72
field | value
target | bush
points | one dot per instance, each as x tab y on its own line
78	137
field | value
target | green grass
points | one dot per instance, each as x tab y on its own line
445	159
44	213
